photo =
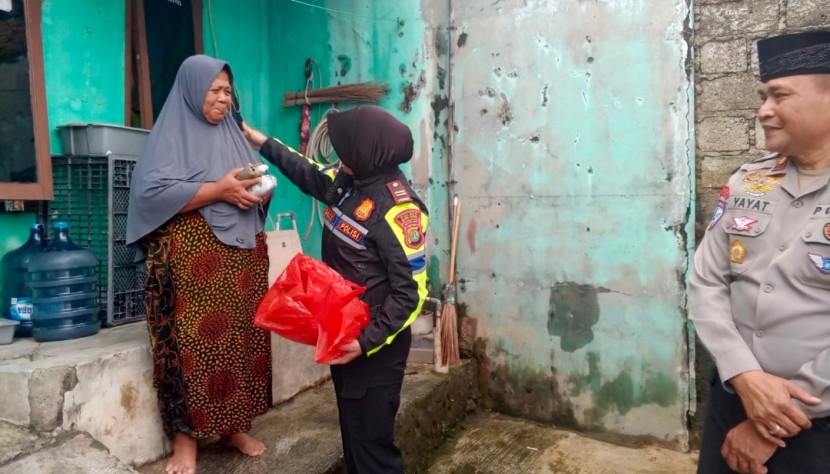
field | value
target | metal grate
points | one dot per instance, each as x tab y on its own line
92	193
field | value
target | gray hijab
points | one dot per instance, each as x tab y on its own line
184	151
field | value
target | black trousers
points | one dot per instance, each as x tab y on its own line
808	452
367	427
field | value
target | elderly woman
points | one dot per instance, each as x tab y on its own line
207	266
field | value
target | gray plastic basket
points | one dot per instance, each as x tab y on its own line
92	193
85	139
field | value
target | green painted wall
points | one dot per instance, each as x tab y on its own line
403	45
83	53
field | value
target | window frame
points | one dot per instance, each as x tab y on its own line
42	189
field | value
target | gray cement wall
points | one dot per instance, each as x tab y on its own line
726	81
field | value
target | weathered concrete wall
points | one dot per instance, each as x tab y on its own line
726	83
573	162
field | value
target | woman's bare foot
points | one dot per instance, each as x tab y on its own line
183	460
244	443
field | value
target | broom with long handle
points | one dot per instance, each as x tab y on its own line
449	324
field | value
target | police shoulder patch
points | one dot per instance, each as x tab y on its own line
720	208
409	221
399	193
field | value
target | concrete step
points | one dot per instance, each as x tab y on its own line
66	453
489	443
303	436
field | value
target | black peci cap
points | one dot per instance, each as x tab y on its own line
794	54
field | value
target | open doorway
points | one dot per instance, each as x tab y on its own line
160	35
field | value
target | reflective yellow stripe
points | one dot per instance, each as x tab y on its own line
419	276
329	172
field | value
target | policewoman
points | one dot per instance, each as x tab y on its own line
760	287
374	236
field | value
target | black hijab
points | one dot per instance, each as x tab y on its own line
369	140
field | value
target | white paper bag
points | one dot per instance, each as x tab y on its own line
292	364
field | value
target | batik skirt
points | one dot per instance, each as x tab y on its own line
211	365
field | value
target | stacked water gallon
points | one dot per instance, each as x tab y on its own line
16	294
64	289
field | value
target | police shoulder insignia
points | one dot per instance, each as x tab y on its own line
780	164
410	222
364	210
720	208
737	252
724	193
399	192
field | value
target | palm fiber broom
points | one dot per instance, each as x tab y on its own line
449	320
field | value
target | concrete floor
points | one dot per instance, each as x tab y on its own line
490	443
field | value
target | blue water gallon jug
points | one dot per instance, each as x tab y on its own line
64	289
16	294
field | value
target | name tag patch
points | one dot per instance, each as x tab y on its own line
344	227
751	204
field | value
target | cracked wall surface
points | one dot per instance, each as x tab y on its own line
573	162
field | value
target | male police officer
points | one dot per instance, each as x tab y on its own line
760	292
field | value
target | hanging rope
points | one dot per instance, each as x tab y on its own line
320	150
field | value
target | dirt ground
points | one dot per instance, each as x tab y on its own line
496	444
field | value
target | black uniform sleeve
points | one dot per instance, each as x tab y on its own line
310	177
401	247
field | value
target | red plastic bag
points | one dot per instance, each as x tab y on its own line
312	304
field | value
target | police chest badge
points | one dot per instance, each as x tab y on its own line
743	223
821	262
410	222
364	210
827	231
737	252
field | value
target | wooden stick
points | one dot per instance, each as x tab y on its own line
324	100
361	88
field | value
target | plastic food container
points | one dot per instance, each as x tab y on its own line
7	331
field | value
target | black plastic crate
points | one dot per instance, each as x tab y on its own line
92	193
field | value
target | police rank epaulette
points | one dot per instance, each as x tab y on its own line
780	165
765	158
399	193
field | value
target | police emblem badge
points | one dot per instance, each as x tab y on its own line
410	222
364	210
758	184
827	231
821	262
737	252
743	223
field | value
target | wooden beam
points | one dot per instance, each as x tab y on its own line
145	97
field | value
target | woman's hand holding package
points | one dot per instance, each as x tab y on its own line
235	191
